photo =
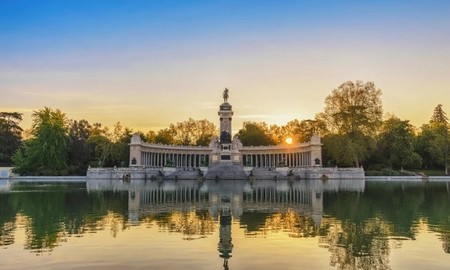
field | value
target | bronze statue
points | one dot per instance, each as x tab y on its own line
225	95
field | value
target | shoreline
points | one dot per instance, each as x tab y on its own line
81	179
47	179
407	179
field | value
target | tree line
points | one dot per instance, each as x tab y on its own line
352	126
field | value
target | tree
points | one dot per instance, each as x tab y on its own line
439	116
165	136
354	110
193	132
428	145
99	145
204	132
299	131
150	137
100	148
255	134
79	152
396	142
341	149
277	134
120	153
440	119
307	128
10	135
47	152
433	141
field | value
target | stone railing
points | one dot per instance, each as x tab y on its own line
176	147
276	147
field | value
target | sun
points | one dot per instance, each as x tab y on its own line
289	140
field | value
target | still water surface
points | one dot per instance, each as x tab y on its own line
337	224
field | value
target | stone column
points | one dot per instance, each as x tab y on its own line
135	150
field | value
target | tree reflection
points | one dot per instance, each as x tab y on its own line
7	221
293	223
437	206
357	245
7	233
446	242
52	213
358	232
189	223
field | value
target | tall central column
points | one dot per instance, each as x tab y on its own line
225	114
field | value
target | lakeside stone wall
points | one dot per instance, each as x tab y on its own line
230	172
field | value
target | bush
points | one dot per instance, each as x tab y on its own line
373	173
376	167
389	172
407	173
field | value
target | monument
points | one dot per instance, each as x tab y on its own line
225	158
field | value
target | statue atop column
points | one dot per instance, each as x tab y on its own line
225	95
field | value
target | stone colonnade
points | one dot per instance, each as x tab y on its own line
292	160
152	158
158	155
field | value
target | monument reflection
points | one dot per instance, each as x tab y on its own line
237	196
226	201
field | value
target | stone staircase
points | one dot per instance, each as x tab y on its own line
183	175
226	171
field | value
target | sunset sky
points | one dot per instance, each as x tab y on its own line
151	63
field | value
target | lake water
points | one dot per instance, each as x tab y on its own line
306	224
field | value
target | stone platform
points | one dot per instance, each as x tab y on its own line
225	171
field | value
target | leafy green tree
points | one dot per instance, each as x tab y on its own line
21	161
439	116
397	143
10	135
299	131
79	153
440	119
165	136
120	152
204	132
433	141
354	110
193	132
428	146
190	132
255	134
183	132
99	145
341	149
47	152
277	133
150	137
306	128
